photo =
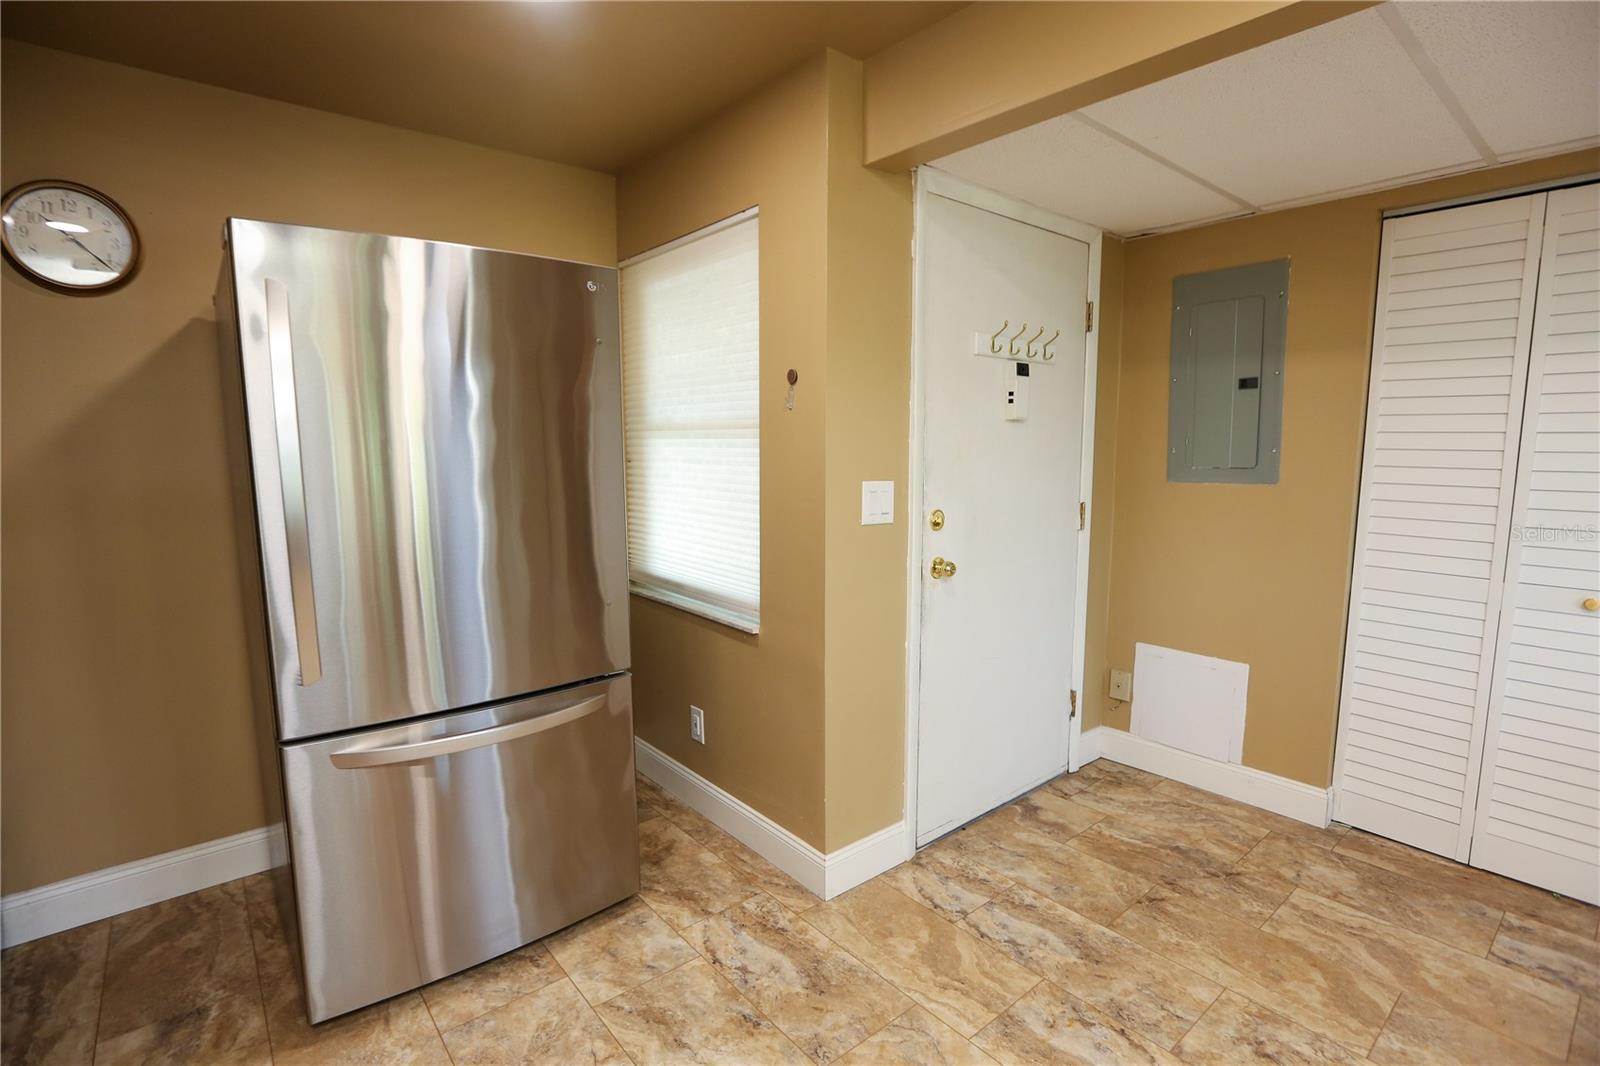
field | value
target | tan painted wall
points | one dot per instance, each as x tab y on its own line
1108	374
127	675
126	690
868	426
804	722
992	68
1261	574
764	695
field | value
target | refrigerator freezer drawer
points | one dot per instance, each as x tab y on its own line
423	849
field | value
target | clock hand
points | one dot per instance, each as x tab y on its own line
85	247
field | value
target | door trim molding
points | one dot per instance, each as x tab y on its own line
1550	185
824	874
930	181
75	901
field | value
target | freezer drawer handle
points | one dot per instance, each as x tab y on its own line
297	535
356	759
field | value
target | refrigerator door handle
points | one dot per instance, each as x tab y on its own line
297	533
417	751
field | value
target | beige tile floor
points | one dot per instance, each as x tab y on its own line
1110	916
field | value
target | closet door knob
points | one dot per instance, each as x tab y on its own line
1591	604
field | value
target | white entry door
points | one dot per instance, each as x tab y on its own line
1001	450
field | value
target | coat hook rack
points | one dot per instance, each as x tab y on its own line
1011	346
1028	348
997	346
1049	353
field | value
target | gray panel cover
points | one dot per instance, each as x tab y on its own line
1225	405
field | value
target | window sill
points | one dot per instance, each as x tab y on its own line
743	621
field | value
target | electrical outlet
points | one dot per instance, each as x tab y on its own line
697	724
1121	685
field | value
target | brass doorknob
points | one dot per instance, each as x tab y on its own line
1591	604
942	567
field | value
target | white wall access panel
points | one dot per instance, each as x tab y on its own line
1190	702
1453	325
1538	808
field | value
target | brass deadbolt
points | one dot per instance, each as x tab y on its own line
1591	604
936	519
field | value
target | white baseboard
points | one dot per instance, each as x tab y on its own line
115	890
1281	795
76	901
827	875
858	863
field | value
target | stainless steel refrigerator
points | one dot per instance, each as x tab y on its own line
434	436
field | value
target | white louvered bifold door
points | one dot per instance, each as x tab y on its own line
1538	809
1450	355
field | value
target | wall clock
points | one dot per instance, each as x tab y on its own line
69	237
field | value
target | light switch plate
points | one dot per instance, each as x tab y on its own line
877	503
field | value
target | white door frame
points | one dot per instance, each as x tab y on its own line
932	182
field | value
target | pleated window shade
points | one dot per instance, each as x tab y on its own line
690	372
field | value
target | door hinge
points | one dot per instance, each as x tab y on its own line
1072	694
1083	511
1088	317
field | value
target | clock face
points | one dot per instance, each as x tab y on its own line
68	236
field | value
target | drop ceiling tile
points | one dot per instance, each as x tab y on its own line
1334	107
1072	169
1527	74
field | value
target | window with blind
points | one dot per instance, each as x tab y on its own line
690	362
